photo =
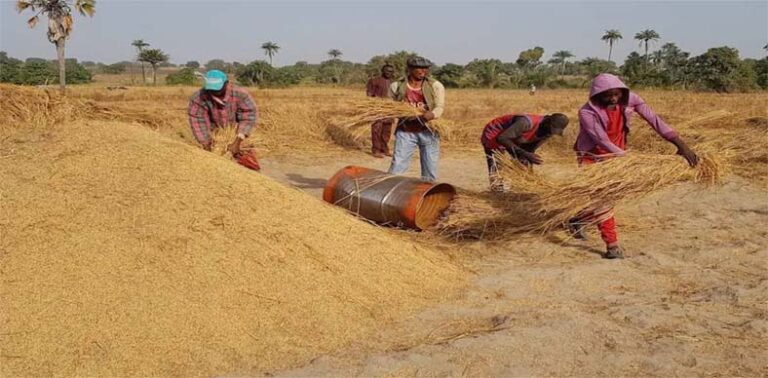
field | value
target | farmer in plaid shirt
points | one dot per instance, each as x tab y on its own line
219	104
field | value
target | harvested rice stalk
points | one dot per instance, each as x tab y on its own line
355	115
605	184
536	204
221	138
365	111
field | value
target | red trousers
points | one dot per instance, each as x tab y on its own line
607	222
608	230
381	131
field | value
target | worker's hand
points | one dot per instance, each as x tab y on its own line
689	155
685	151
234	147
428	116
532	158
207	146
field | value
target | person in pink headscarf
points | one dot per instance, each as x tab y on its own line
604	123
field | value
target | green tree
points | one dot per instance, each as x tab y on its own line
397	59
192	64
116	68
761	70
334	53
36	73
646	37
611	36
257	73
592	67
530	58
332	71
140	45
184	76
672	61
450	75
633	69
720	69
560	57
60	23
153	57
486	71
270	50
77	73
216	64
9	68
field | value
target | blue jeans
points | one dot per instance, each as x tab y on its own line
405	145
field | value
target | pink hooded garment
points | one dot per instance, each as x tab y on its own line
593	121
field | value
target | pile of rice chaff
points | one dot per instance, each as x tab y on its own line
150	257
536	204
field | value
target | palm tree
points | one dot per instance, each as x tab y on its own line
645	37
270	49
60	22
560	57
139	44
153	57
611	36
334	53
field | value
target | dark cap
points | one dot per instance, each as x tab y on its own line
418	62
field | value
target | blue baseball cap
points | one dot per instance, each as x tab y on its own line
214	80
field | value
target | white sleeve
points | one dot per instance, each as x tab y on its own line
439	91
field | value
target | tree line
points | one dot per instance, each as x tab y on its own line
718	69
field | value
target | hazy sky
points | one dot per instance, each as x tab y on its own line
443	31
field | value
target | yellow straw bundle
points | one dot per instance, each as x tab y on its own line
536	204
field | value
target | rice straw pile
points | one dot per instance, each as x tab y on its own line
536	204
149	257
33	107
48	108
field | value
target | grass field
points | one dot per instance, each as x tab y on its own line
127	250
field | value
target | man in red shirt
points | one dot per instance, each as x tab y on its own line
520	135
381	129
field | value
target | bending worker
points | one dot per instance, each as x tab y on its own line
219	104
520	135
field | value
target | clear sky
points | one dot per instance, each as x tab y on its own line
443	31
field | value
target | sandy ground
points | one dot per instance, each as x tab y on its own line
690	299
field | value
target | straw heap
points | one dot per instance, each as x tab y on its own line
149	257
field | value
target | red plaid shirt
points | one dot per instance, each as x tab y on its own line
206	113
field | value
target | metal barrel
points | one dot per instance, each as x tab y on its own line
388	199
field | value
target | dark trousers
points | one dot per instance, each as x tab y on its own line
381	131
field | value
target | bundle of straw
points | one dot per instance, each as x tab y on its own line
355	115
536	204
221	138
364	111
605	184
